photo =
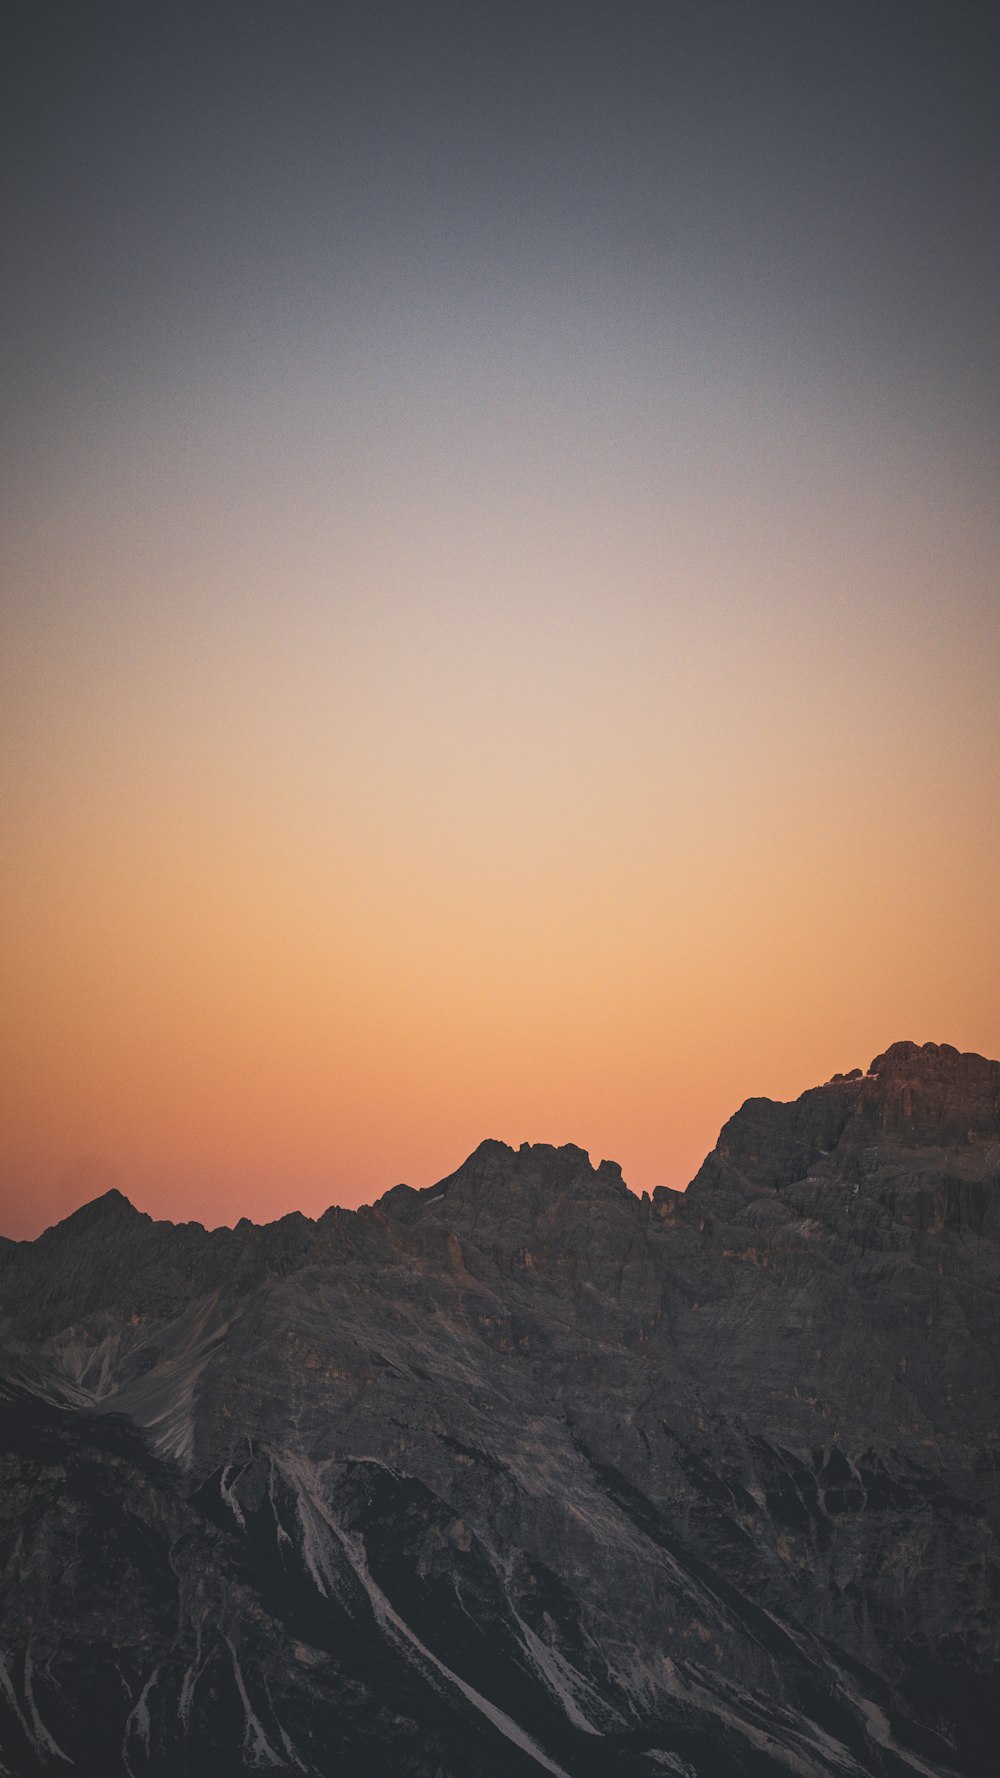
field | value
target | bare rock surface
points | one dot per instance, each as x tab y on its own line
524	1473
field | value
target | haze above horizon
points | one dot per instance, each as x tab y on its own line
501	610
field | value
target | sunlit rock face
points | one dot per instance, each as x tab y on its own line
523	1473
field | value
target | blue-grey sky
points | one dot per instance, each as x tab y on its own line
818	182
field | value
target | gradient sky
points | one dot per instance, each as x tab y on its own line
501	625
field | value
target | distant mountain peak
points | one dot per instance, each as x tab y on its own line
111	1204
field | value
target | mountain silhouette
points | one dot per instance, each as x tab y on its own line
524	1473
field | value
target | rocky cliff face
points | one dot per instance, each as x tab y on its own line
524	1473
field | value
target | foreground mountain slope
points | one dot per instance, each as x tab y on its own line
525	1473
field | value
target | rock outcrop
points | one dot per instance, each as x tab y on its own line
524	1473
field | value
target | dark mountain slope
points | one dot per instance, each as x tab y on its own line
524	1473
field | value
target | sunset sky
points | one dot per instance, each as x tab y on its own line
501	624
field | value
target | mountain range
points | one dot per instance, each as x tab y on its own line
525	1473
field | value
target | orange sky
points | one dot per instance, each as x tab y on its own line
509	687
582	826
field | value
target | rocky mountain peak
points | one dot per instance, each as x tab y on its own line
932	1093
496	1170
913	1100
111	1209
